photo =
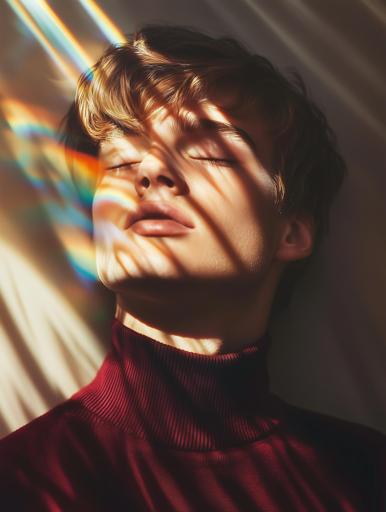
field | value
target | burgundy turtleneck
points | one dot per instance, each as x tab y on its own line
162	429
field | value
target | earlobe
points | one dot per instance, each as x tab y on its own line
297	239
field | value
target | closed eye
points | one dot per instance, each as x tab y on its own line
121	168
224	162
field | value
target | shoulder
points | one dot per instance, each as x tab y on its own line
36	458
349	456
31	441
347	443
331	428
45	461
42	427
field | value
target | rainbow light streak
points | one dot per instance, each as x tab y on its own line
55	56
29	123
82	259
78	246
57	32
34	142
106	26
35	147
24	123
117	197
86	169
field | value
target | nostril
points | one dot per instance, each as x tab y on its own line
145	182
168	181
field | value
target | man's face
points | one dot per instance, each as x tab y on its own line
213	169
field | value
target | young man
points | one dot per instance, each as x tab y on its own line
216	175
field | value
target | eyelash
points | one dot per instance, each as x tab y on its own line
117	168
220	162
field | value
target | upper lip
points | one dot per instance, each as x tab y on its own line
160	210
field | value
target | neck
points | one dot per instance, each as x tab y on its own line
208	328
198	345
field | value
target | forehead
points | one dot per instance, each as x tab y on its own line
168	120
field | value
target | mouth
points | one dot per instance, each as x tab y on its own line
159	227
156	218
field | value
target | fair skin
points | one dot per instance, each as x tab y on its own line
210	289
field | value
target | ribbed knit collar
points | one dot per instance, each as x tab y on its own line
181	399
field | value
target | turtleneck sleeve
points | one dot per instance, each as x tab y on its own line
162	429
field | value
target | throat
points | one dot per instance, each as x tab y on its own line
204	346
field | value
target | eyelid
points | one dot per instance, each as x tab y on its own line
213	158
209	149
223	140
209	152
218	161
122	164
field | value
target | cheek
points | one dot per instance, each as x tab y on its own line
258	197
106	215
108	222
103	211
241	200
110	207
245	215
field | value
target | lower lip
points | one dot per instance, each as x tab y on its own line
157	227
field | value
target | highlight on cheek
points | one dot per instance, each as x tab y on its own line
113	197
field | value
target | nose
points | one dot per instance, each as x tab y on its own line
156	173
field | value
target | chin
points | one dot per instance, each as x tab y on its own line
118	275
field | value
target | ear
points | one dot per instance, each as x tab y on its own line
297	238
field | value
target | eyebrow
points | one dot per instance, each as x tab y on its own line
191	125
